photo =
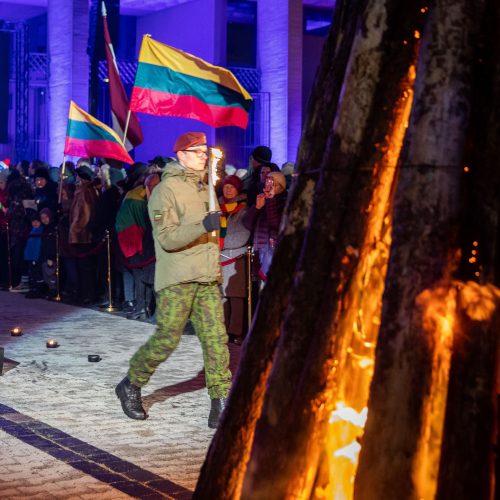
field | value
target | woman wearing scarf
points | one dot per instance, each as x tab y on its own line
233	242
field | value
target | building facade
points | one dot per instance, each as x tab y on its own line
57	55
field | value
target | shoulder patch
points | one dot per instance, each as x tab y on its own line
157	215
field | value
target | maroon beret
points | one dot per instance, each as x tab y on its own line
188	140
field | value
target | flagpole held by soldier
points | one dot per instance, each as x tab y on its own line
187	278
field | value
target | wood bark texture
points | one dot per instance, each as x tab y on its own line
298	400
467	459
392	463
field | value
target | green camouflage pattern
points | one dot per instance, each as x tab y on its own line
200	302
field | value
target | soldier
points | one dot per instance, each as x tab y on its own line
186	279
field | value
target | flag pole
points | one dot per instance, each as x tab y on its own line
61	180
126	128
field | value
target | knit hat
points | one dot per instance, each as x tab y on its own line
34	216
188	140
42	173
136	170
85	172
278	178
262	154
161	161
48	212
234	180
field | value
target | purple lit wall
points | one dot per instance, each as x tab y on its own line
197	27
68	24
279	38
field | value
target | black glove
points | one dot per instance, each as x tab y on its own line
211	222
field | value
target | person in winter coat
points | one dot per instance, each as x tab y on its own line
107	206
186	279
18	191
136	242
32	256
234	237
261	155
48	250
264	218
80	234
4	253
45	190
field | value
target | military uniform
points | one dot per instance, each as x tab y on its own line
186	280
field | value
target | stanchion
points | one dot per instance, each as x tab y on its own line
57	297
110	307
9	257
249	286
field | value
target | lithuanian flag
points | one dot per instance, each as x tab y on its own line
170	82
87	136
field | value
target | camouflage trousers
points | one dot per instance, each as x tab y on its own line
200	302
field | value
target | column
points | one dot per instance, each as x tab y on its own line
68	27
279	48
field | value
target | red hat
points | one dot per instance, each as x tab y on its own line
234	180
189	139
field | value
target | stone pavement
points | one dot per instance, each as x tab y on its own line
62	431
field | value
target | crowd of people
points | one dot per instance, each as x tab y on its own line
55	231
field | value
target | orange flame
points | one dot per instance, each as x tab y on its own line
216	155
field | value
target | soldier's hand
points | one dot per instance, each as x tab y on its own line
211	222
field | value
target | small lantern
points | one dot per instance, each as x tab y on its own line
52	344
16	331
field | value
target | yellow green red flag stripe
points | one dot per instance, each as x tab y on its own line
86	136
170	82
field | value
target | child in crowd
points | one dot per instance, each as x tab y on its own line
32	254
48	250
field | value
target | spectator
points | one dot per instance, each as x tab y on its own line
32	257
134	235
18	192
45	190
4	255
260	156
80	234
264	219
233	240
48	251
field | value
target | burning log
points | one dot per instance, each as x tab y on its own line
306	379
467	460
400	448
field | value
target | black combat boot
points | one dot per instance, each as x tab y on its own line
130	398
216	408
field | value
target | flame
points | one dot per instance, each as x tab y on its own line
351	452
478	301
346	414
216	155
